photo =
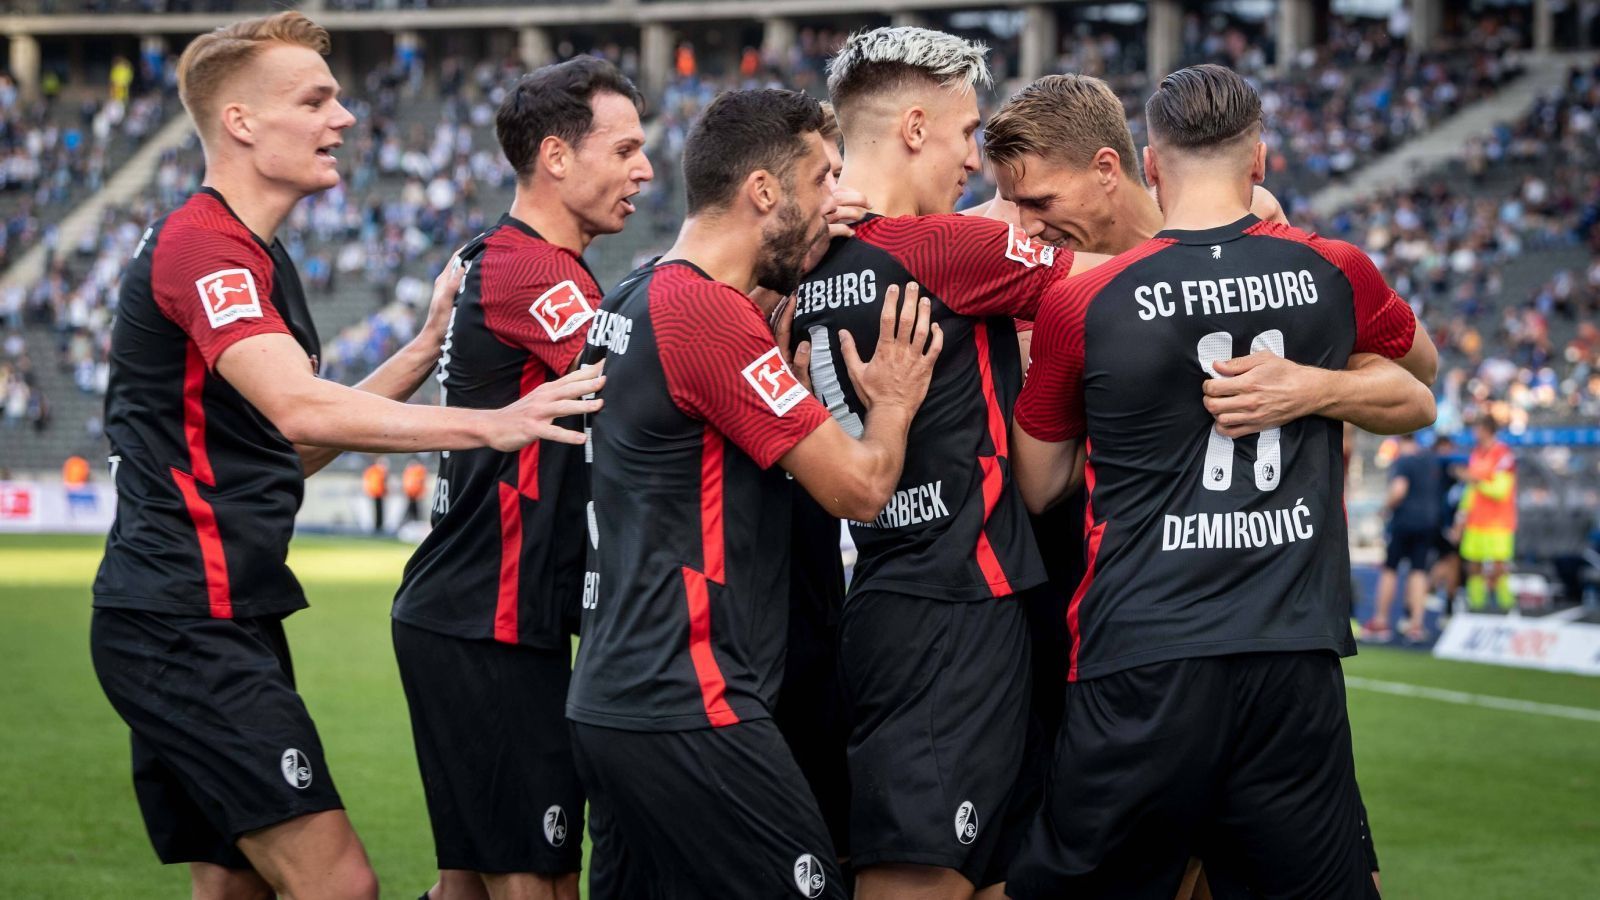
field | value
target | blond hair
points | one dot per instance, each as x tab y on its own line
888	59
213	58
1062	118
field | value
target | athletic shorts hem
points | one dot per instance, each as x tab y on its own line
964	593
199	607
240	829
504	868
859	861
1341	645
696	722
452	629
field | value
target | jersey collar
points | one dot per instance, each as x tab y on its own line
510	221
1219	235
216	195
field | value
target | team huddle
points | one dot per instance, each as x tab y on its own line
1086	440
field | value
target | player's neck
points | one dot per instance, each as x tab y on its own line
545	213
1143	218
259	203
884	184
1203	204
721	249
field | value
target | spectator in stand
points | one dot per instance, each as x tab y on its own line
1412	507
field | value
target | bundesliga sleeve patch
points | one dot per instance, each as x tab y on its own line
229	295
562	310
774	382
1028	251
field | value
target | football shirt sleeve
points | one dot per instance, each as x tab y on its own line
1385	323
543	307
975	266
723	367
216	286
1051	406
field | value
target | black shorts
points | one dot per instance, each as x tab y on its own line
222	745
810	710
489	721
938	699
714	812
1243	761
1415	547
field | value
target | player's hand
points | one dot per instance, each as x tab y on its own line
533	417
909	343
851	207
799	362
445	288
1261	391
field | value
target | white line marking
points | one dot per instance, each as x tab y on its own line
1462	698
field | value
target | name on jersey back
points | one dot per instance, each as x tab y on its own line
834	292
1248	293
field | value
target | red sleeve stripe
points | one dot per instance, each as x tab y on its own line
713	687
213	560
505	607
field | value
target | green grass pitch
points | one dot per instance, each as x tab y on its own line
1466	802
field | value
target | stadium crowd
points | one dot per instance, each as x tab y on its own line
415	185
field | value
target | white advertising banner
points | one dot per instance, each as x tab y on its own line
39	506
1530	643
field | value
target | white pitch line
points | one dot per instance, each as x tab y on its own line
1462	698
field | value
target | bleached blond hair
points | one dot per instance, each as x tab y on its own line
887	59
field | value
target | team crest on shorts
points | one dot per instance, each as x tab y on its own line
808	876
966	822
555	826
296	769
774	382
229	295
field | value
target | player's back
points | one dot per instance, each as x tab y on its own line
955	528
503	560
1203	545
208	488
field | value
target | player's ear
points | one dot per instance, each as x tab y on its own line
1108	166
1152	172
914	128
555	156
762	191
237	124
1258	163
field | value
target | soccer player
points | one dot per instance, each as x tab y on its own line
684	603
1488	517
1217	597
933	645
485	612
1412	507
1062	149
215	416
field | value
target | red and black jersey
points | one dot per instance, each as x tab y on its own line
955	528
687	599
505	557
207	488
1202	545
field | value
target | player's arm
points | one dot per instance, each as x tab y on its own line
403	373
1047	450
854	479
1263	391
976	266
1399	486
272	372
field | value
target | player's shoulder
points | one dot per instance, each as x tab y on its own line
682	289
203	232
531	259
936	225
1340	252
